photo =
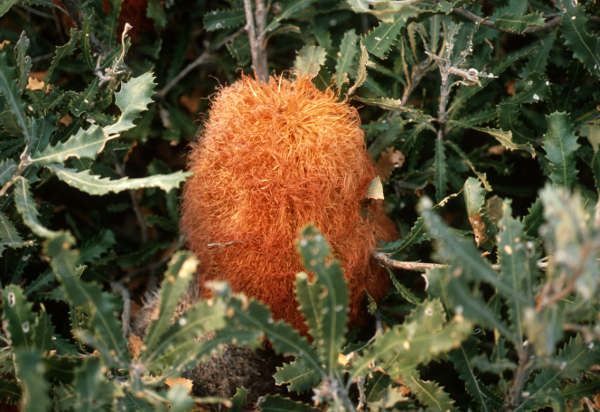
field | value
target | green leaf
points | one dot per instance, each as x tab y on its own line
399	350
517	22
299	376
359	6
380	40
481	176
441	174
273	403
103	325
132	99
238	400
95	185
84	100
429	393
535	218
8	88
30	372
403	290
19	317
27	207
223	19
84	40
508	120
86	143
9	235
92	387
361	76
63	257
345	59
329	314
96	246
416	235
576	32
23	61
250	315
533	89
539	61
10	390
506	139
289	9
180	271
310	59
7	169
462	360
560	144
483	228
6	6
62	51
156	12
240	49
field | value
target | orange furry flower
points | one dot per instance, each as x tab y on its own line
272	158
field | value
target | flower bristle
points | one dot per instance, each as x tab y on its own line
272	158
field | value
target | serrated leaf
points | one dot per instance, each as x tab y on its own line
508	120
86	143
441	175
43	129
96	246
330	325
254	316
517	22
273	403
462	360
83	102
8	89
560	144
385	139
95	185
223	19
238	400
474	196
103	325
416	235
180	271
133	98
240	49
429	393
156	12
84	40
506	139
91	386
576	32
7	168
28	209
310	59
10	390
61	52
535	218
345	58
403	290
380	40
535	88
6	6
299	376
63	256
9	235
539	61
481	176
19	318
288	10
399	350
359	6
361	76
23	61
30	372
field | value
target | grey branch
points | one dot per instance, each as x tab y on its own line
550	24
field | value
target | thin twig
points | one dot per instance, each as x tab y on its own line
25	161
255	45
550	24
261	24
202	59
514	397
126	315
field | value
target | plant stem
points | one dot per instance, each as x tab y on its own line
514	397
25	161
255	44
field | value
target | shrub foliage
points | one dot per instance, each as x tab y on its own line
482	118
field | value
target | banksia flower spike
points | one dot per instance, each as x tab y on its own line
272	158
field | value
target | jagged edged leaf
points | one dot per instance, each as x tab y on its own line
43	279
83	101
19	317
429	393
288	10
8	88
483	116
403	290
43	129
385	140
539	61
580	390
9	235
223	19
483	228
464	256
361	76
86	143
517	267
62	51
323	79
517	22
92	387
508	120
245	314
560	144
27	207
95	185
506	139
238	400
416	235
179	273
240	49
133	98
399	350
310	59
10	123
576	32
156	12
273	403
6	6
535	88
23	61
359	6
142	255
441	175
84	40
481	176
30	372
380	40
299	376
96	246
332	304
103	324
345	58
535	218
462	360
10	390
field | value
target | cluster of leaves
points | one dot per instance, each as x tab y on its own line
495	108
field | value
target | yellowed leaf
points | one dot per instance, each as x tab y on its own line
389	160
186	383
375	189
4	43
135	345
65	120
34	84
